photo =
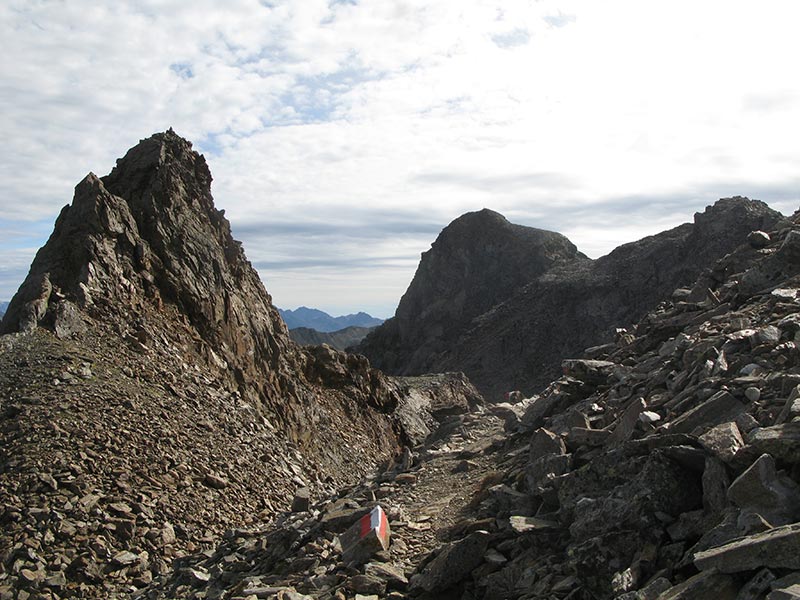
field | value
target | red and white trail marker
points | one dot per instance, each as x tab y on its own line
368	535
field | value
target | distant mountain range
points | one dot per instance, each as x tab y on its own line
341	340
3	308
322	321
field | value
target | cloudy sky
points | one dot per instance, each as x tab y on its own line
344	135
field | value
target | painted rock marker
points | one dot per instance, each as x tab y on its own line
368	535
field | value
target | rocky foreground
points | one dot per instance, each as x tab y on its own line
663	466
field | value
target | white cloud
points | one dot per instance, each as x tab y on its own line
345	113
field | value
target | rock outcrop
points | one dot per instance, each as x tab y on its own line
144	246
519	341
478	261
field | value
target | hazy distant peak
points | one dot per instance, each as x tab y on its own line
319	320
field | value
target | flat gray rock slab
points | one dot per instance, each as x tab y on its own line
777	548
709	584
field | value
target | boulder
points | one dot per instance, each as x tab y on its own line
761	489
719	408
778	548
453	563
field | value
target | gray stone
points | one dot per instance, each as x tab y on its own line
781	441
792	407
168	534
746	422
790	248
653	589
769	334
752	394
627	423
125	558
786	581
302	500
756	586
788	593
719	408
540	408
507	500
581	436
68	320
724	440
196	577
750	522
709	584
454	562
689	525
649	416
545	443
777	548
761	489
367	584
526	524
215	481
386	572
494	558
715	485
539	472
593	371
758	239
57	580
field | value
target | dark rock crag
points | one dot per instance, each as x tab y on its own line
146	241
518	337
478	261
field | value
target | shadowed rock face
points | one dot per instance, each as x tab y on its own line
477	261
535	321
148	233
146	247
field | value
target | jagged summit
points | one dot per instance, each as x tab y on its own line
476	261
148	233
145	248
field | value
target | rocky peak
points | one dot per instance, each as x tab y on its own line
478	260
149	233
144	248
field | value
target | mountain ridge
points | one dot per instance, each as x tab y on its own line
663	466
519	341
321	321
341	339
